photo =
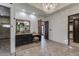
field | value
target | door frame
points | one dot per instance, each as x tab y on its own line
73	16
41	27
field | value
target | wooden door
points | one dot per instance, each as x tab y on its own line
76	30
40	27
46	30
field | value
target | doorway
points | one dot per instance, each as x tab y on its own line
73	30
46	28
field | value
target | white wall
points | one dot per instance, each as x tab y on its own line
58	22
19	14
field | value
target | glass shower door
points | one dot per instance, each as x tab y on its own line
4	31
4	35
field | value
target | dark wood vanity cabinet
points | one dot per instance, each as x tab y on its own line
24	39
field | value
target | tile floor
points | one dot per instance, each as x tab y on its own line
4	52
4	47
50	49
74	44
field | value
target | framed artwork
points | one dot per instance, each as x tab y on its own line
22	26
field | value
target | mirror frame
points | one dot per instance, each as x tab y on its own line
24	21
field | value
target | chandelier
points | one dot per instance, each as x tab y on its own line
49	7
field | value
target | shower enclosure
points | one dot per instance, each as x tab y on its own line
4	30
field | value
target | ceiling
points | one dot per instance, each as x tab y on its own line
40	6
29	9
37	8
58	7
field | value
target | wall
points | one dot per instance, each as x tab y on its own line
19	14
58	23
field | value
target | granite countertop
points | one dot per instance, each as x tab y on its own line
22	33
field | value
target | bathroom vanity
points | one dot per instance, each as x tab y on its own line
22	39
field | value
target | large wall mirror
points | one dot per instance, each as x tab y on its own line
22	26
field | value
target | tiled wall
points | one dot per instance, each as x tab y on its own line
4	32
4	11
